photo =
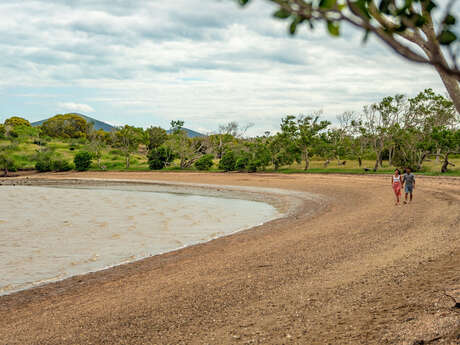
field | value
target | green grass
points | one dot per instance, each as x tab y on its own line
114	160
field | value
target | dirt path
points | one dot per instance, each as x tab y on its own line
361	271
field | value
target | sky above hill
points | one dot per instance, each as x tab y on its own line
207	62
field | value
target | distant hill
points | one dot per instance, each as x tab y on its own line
190	133
97	124
108	128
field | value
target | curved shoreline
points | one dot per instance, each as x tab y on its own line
287	203
358	271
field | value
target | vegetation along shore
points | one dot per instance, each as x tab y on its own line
420	132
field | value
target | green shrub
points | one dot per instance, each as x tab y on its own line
82	160
2	131
44	160
40	142
6	163
73	147
204	162
16	121
227	162
253	166
241	163
116	152
159	158
60	165
43	165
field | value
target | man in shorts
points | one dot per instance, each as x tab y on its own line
409	184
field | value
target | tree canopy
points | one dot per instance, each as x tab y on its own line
15	121
66	126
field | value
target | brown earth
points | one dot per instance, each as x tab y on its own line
359	271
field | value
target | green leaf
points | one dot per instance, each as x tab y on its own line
363	7
449	20
243	2
333	28
420	21
282	14
447	37
366	36
293	27
430	6
327	3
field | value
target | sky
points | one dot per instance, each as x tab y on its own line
207	62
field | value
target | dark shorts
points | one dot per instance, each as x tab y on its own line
408	188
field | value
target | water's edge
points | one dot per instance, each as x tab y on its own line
287	203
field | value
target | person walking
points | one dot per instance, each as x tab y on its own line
396	183
409	184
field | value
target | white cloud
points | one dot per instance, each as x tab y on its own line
70	106
204	61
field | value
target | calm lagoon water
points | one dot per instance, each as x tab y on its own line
47	233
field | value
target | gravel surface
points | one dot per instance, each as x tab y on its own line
348	268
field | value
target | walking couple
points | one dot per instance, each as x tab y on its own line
407	181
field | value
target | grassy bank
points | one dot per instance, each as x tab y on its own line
113	160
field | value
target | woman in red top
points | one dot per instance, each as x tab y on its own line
396	183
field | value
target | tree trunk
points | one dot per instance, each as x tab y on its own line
445	163
360	162
377	161
390	156
421	160
452	86
307	162
434	52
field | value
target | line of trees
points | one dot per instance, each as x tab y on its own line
403	131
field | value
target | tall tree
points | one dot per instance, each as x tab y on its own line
154	137
188	150
98	141
127	138
407	27
304	131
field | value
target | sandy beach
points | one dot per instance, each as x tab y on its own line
351	269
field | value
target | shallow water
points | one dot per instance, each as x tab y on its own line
47	234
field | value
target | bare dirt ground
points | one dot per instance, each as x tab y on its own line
360	271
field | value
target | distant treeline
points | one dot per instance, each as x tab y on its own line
403	131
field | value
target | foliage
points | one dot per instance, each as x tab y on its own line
304	132
7	164
16	121
44	159
160	157
420	132
2	131
253	166
188	150
228	161
82	160
66	126
154	137
241	163
205	162
98	140
127	139
60	165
